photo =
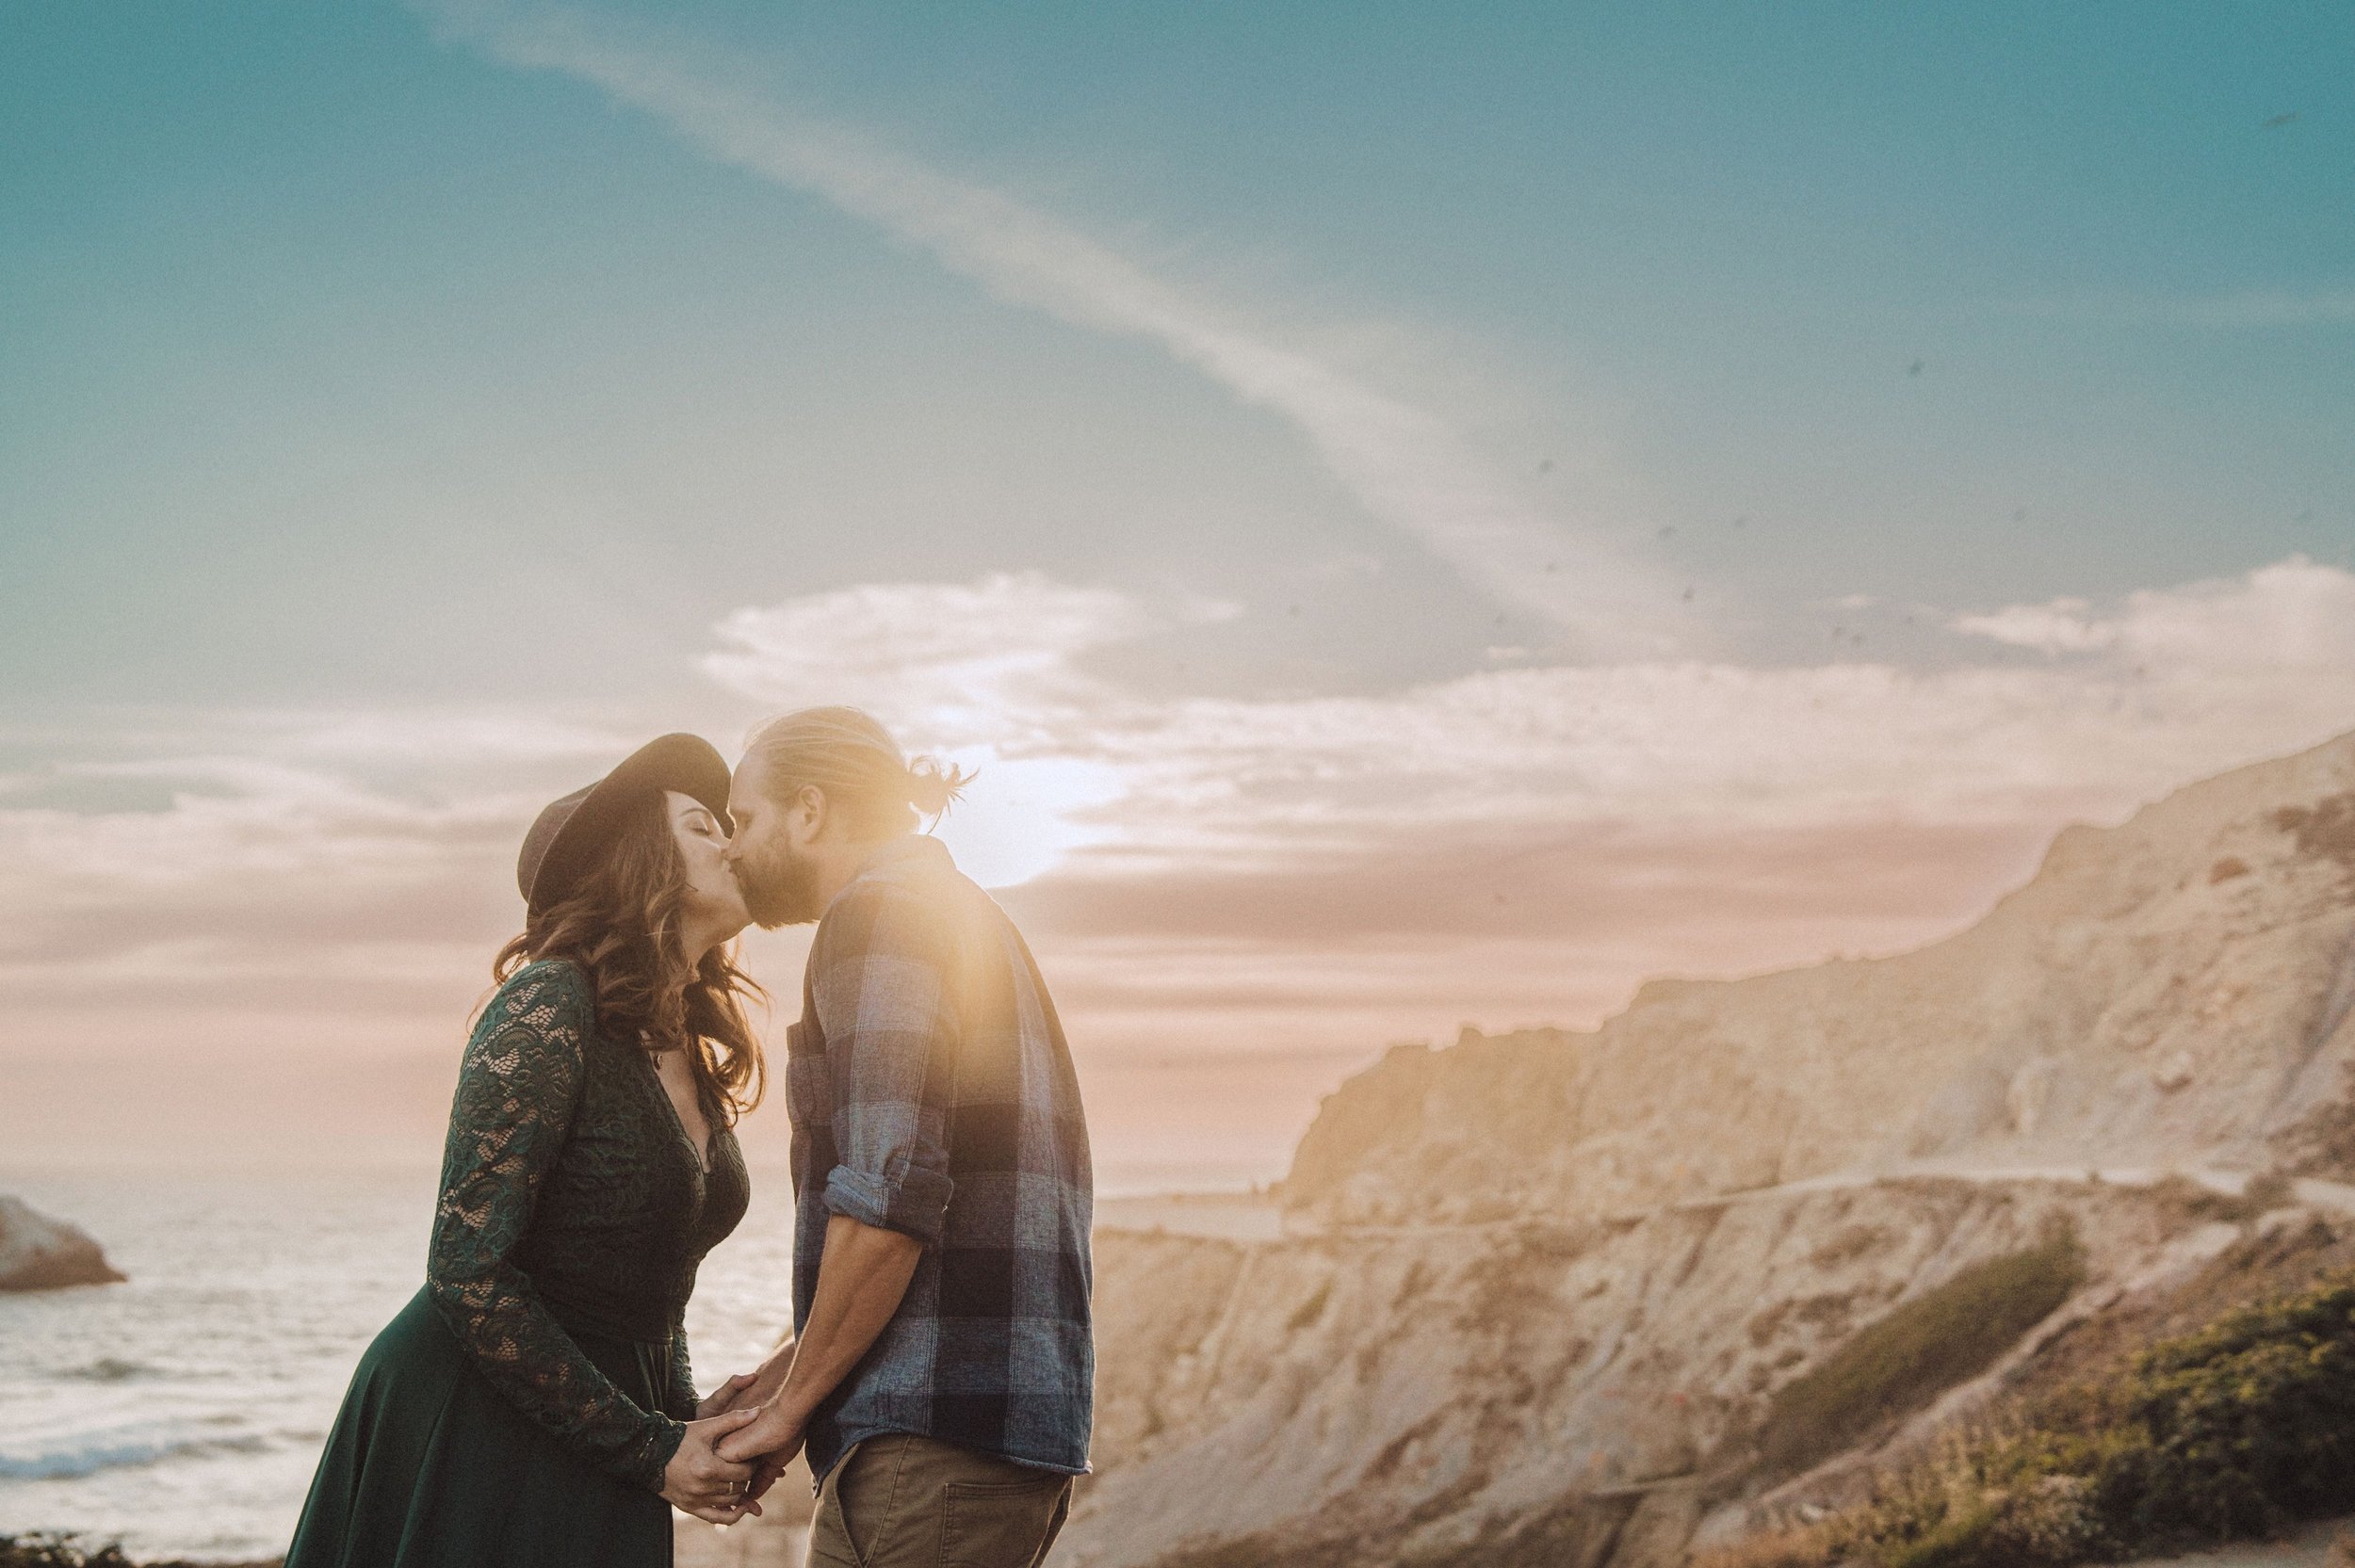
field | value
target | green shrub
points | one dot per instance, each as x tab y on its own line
2251	1421
2229	1433
1902	1361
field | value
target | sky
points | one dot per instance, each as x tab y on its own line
1420	515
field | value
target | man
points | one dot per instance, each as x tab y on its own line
943	1350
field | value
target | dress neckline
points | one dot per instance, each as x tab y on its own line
703	1155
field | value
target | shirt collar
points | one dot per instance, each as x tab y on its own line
911	850
907	850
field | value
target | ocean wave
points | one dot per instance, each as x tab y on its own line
123	1449
111	1369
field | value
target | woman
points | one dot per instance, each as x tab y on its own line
531	1405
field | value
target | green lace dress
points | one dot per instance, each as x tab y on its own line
519	1412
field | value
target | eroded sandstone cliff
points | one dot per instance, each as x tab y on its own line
2173	988
1542	1289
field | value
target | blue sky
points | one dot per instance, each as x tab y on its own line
302	295
405	408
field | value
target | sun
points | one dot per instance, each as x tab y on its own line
1020	818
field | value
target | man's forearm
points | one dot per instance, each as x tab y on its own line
861	1278
769	1377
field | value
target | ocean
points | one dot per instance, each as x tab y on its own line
182	1413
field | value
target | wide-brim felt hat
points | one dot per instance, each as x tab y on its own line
570	834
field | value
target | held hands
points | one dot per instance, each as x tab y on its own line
698	1482
723	1399
767	1443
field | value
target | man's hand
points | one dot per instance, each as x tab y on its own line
773	1434
724	1399
766	1473
699	1481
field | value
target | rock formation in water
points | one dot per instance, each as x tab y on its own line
1545	1289
40	1253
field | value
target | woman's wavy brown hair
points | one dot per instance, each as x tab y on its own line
620	925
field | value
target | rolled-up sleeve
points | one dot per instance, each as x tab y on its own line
881	986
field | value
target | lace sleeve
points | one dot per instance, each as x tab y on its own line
518	1089
681	1401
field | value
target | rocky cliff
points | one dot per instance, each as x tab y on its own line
2168	989
1543	1292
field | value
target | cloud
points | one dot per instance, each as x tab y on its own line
293	795
493	737
1312	874
2058	626
231	817
1526	845
987	662
1404	465
1497	808
984	673
2292	616
2164	687
343	863
1526	925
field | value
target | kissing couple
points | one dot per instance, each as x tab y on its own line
533	1405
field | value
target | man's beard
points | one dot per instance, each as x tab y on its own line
780	888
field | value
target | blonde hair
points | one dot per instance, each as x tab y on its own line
855	763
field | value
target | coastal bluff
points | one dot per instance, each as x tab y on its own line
2172	989
40	1253
1542	1297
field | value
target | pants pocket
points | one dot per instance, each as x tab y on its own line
1002	1524
828	1543
829	1540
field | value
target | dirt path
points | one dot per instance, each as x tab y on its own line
1236	1217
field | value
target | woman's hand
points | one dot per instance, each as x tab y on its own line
723	1399
698	1482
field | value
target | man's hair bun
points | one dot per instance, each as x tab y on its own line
935	786
856	763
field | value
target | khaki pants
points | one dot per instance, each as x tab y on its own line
902	1501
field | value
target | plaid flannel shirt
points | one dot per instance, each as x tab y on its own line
931	1093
